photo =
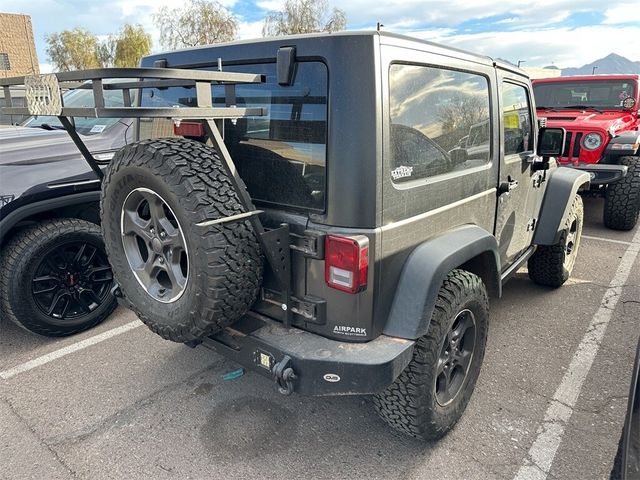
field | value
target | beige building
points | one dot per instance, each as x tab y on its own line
17	46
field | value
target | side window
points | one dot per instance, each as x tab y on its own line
439	121
516	115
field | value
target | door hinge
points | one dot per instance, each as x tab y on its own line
538	180
531	225
307	309
310	244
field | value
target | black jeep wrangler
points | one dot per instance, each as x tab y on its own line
303	214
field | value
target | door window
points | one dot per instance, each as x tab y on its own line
516	116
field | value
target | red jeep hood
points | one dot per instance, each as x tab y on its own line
589	120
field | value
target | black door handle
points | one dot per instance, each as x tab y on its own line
507	186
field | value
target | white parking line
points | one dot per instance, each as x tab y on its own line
74	347
538	462
602	239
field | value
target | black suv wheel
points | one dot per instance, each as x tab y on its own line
430	395
55	279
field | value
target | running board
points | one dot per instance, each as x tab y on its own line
515	266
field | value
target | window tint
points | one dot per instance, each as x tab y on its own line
439	121
516	116
280	156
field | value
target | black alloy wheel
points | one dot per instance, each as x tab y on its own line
455	357
55	279
72	280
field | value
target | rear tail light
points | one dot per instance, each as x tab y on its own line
188	129
346	263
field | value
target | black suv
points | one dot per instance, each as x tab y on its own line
54	276
310	222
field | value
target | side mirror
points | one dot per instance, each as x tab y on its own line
551	142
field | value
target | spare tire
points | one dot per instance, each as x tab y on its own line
184	281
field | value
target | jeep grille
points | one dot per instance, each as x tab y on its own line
572	146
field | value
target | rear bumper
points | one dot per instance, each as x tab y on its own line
601	174
320	366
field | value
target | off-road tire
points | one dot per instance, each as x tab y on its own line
19	260
551	265
225	263
410	404
622	199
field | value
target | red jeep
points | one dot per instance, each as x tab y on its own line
600	115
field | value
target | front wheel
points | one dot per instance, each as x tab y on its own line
622	199
432	392
551	265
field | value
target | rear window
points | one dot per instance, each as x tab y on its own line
280	156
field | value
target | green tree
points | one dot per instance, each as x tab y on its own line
107	51
199	22
79	49
131	44
73	50
304	16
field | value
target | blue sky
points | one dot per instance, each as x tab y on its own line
565	33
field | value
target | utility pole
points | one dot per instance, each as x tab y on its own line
593	70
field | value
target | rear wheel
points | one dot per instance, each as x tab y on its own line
184	280
551	265
432	392
55	279
622	199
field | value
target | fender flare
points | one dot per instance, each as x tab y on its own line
563	184
469	247
24	211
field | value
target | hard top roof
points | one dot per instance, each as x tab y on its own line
385	38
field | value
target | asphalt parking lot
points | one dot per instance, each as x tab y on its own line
120	402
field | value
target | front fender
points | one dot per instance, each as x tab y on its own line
562	186
626	143
469	247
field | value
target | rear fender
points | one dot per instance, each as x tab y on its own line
469	247
563	184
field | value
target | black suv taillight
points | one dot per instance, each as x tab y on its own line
346	263
188	129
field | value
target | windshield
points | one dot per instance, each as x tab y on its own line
84	125
597	94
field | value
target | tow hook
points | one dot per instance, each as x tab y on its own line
284	375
